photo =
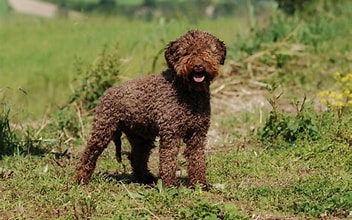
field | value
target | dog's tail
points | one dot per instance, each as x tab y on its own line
117	142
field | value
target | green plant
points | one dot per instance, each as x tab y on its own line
282	128
291	6
200	210
8	139
67	122
341	99
11	142
339	104
92	83
101	75
205	210
67	125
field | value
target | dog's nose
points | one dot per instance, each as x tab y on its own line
198	67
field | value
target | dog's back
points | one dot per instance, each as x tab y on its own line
155	103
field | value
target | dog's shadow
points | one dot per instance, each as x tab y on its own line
128	178
119	177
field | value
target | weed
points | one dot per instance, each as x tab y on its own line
339	103
200	210
13	142
68	123
204	210
8	139
100	76
282	128
342	98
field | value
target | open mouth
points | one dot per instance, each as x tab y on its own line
198	77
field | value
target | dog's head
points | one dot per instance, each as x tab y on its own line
196	57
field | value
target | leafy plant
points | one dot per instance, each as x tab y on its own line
205	210
101	75
200	210
285	129
68	121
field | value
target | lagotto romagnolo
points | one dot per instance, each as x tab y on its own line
173	105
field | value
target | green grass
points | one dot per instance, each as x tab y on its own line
302	170
38	56
301	181
305	181
3	7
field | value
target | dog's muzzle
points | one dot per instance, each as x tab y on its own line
198	73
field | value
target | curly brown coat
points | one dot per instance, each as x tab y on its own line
173	105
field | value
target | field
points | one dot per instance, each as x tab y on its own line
43	60
280	141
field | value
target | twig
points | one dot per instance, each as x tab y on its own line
80	120
260	84
255	56
273	46
292	32
218	89
44	123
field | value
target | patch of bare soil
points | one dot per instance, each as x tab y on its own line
231	98
240	89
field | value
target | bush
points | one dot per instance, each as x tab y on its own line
309	8
291	6
67	124
283	129
68	121
101	75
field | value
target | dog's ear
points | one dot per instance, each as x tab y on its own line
170	54
222	50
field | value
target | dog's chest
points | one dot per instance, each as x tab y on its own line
184	113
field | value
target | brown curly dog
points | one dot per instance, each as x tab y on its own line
173	105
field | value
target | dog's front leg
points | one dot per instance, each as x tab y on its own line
195	156
169	148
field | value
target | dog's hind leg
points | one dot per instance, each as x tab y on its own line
140	152
117	141
102	134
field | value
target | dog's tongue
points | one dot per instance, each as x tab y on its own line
198	78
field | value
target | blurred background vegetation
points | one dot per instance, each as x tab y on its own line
191	9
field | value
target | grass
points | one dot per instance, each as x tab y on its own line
40	54
286	180
287	159
306	181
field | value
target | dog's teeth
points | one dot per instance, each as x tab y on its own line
198	79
